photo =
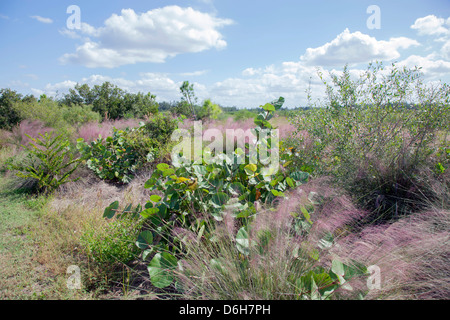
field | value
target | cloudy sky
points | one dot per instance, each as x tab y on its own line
238	53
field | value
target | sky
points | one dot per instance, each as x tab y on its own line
236	53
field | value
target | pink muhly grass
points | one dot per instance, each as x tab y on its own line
33	128
412	254
91	131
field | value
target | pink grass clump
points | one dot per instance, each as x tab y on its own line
31	128
91	131
412	253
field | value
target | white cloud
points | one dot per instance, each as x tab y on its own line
431	25
32	76
355	48
54	89
152	36
261	85
445	50
42	19
432	67
37	92
194	73
255	85
156	83
251	72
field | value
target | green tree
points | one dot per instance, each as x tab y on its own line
139	105
9	116
111	101
210	110
188	96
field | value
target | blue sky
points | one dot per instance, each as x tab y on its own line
242	53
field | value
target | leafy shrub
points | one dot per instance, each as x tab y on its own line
375	134
118	157
113	244
50	162
45	110
79	114
113	158
159	130
243	115
193	194
209	110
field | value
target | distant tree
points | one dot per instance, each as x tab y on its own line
210	110
9	116
108	101
140	105
167	106
188	96
111	101
29	98
79	95
183	108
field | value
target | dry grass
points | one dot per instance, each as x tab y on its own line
76	208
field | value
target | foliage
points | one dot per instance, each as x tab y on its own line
9	117
51	162
210	110
243	115
160	128
188	96
113	244
192	194
112	102
374	135
79	114
45	110
119	156
114	158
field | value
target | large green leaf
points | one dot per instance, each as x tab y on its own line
278	103
162	166
147	213
110	211
155	198
300	177
268	107
144	239
251	168
161	268
220	198
242	241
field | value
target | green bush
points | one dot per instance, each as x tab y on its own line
50	162
375	135
243	115
79	114
119	157
113	244
209	110
45	110
114	158
193	194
